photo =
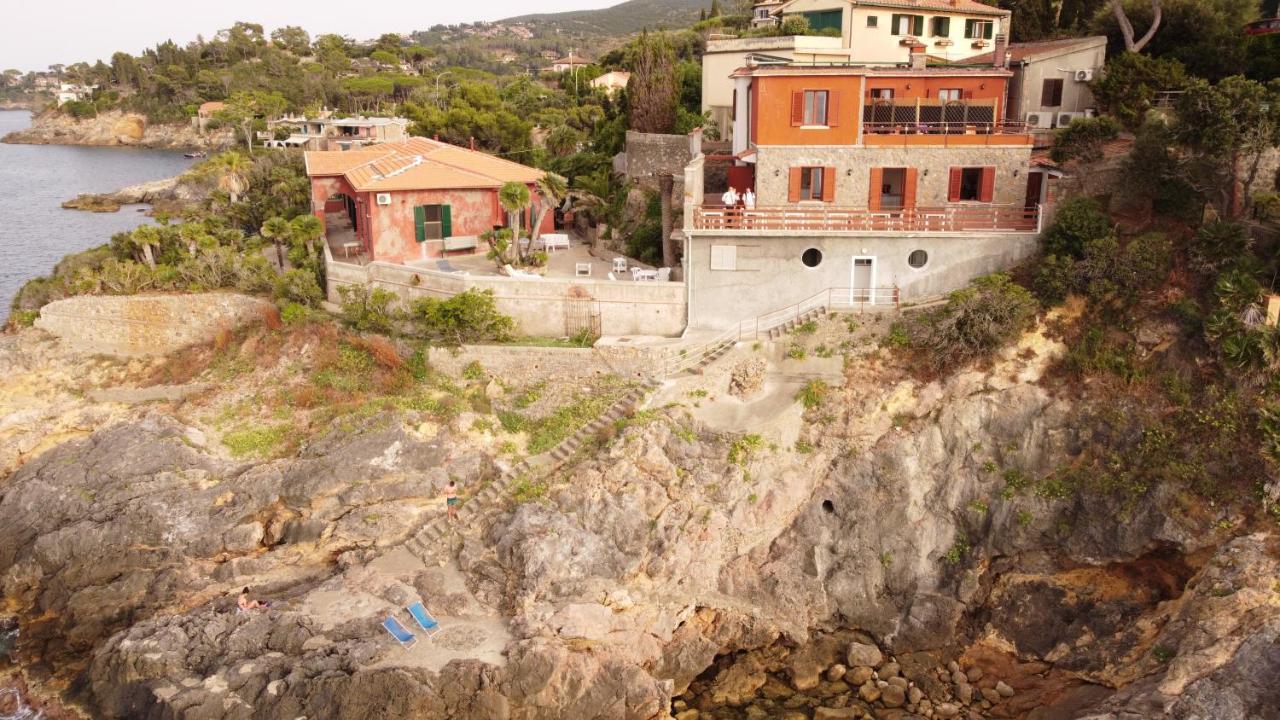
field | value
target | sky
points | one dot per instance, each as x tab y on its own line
34	35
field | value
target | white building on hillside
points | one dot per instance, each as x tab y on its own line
883	31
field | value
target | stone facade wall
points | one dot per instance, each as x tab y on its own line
650	155
143	325
771	276
853	170
546	307
632	362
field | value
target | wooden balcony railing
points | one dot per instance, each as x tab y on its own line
951	218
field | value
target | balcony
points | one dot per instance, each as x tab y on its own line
947	219
945	134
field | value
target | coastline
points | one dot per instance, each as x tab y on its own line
115	129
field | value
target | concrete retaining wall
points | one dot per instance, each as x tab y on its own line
546	307
770	274
142	325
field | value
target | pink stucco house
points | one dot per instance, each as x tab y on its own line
411	200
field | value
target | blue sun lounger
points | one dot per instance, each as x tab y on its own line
423	618
398	631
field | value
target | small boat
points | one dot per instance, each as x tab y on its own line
196	155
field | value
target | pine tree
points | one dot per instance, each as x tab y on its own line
715	9
652	88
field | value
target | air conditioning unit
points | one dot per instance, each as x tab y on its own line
1040	119
1084	75
384	198
1064	118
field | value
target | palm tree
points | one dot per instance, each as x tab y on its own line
144	238
306	229
552	190
233	174
514	198
277	230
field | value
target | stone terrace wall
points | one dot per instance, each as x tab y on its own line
633	363
546	307
142	325
650	155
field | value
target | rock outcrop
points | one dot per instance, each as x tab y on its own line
115	129
167	192
897	563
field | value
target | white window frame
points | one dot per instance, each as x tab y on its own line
811	107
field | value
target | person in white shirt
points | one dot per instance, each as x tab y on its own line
749	200
730	197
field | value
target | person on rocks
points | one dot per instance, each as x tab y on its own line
248	604
451	501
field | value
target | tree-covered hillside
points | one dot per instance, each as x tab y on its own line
622	19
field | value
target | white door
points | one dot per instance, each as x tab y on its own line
862	280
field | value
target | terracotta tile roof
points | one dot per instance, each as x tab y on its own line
418	164
1049	48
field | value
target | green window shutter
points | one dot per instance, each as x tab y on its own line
917	25
895	24
941	26
990	28
419	223
446	220
968	28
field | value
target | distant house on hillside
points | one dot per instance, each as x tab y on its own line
612	82
69	92
205	113
569	62
410	200
1050	85
764	13
333	133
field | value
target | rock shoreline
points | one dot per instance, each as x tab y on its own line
163	193
115	129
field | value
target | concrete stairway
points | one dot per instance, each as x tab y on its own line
531	468
779	330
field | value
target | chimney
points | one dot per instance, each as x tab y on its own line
918	58
1000	53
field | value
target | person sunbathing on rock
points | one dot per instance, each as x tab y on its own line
245	603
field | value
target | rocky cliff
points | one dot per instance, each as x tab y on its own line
887	552
115	129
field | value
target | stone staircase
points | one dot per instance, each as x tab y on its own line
421	544
782	329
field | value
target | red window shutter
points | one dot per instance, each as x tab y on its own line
988	184
909	188
877	180
833	109
793	192
829	184
953	190
966	94
797	109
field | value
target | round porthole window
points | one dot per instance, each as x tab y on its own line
918	259
811	257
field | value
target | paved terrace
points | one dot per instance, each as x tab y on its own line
560	264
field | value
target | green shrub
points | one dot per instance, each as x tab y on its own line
1054	279
975	322
1084	139
294	313
474	371
812	394
470	316
368	310
299	286
1077	221
1217	245
23	318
